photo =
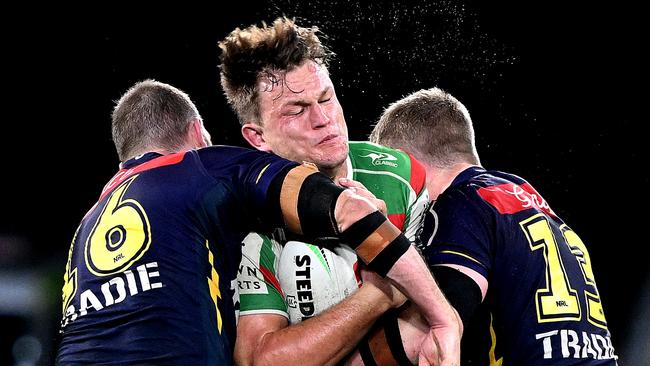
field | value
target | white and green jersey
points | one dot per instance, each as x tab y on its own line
266	288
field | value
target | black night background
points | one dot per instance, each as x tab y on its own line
554	90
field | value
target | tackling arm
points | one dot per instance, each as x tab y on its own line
309	201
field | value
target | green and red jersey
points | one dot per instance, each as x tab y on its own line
391	175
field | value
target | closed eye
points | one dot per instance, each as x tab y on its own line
295	112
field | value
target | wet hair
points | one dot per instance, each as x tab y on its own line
432	125
267	52
151	115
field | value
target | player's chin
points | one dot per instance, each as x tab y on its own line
332	158
338	151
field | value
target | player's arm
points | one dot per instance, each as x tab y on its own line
267	339
263	336
458	234
314	206
396	337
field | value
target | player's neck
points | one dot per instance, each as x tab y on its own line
439	179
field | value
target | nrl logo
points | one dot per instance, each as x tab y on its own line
380	158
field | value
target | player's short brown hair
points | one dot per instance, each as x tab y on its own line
151	115
265	52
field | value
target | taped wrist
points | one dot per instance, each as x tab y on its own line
382	346
307	201
377	242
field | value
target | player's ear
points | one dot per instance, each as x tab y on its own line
198	135
254	134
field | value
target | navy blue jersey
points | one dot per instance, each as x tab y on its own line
152	267
544	304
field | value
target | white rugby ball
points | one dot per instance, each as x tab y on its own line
315	278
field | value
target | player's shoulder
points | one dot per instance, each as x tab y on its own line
476	177
220	160
371	156
366	147
485	181
471	187
226	153
370	159
507	193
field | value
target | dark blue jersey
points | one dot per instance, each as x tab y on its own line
542	296
151	272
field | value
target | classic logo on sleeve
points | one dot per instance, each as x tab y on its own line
381	158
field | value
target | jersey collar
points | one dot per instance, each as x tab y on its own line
467	174
140	159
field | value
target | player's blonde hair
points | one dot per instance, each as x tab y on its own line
431	124
151	115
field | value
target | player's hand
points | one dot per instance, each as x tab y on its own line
360	189
394	297
429	351
442	345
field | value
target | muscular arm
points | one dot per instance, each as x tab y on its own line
306	202
463	293
409	272
266	339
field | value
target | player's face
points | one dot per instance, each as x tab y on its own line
302	119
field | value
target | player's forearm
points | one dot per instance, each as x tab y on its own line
312	205
326	338
412	276
387	251
414	279
411	330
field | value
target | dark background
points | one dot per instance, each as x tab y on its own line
554	90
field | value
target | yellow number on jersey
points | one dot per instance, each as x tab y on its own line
595	314
120	236
69	277
558	301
